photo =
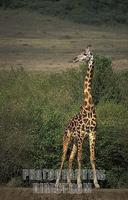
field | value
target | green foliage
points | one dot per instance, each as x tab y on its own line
15	182
34	109
82	11
122	78
112	145
105	83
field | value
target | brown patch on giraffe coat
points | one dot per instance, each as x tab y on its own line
78	118
75	122
93	125
73	128
81	139
85	85
83	127
85	120
94	139
78	127
91	75
84	115
88	123
86	94
81	122
79	142
89	115
75	117
89	90
88	108
85	102
89	85
94	115
90	100
94	119
86	79
88	74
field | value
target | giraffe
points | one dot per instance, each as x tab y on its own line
81	126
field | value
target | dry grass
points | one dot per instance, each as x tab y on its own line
39	42
27	193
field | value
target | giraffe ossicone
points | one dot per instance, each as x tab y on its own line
82	125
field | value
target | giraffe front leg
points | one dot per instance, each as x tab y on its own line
92	140
79	158
65	148
72	155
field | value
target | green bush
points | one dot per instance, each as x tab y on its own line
112	142
105	84
34	109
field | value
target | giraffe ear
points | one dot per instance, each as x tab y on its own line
82	50
90	48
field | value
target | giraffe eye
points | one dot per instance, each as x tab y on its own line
85	54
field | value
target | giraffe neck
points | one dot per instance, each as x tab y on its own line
88	83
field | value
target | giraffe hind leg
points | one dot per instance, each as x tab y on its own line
66	140
71	158
92	138
79	158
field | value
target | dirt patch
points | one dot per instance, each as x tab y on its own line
43	43
25	194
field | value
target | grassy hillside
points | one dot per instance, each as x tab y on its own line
44	43
83	11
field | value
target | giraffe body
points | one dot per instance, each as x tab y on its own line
81	126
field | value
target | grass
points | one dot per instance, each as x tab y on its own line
44	43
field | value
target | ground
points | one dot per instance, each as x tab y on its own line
27	193
44	43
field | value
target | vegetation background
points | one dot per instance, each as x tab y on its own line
35	107
83	11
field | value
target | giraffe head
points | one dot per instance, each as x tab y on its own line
85	56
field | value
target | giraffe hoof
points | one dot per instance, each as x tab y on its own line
56	185
80	187
70	187
97	186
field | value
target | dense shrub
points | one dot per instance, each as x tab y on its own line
34	109
112	142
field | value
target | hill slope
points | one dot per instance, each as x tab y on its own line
40	42
84	11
